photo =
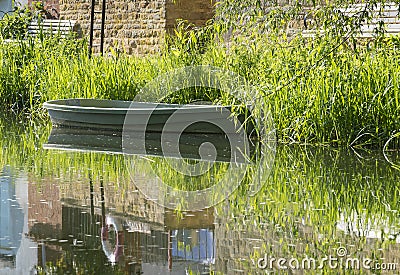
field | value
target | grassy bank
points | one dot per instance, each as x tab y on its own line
320	92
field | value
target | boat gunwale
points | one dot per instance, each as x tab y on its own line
58	106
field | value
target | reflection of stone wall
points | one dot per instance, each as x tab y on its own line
121	197
128	200
234	248
44	213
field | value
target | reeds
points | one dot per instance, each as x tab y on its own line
320	92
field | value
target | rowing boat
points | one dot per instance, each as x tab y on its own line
136	116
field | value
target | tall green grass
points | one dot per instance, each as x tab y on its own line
320	91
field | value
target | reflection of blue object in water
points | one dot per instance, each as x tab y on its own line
193	244
11	216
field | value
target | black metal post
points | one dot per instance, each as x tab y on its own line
103	20
103	203
91	194
91	28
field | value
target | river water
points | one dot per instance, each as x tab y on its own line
321	210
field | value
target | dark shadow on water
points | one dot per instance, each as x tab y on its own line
77	139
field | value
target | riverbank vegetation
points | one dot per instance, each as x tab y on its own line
321	90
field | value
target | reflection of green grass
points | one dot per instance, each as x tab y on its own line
185	182
81	262
309	191
333	180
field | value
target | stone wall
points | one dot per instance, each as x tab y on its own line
197	12
136	27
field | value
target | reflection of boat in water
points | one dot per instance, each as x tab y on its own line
116	114
75	139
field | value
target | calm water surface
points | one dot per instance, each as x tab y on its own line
67	212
